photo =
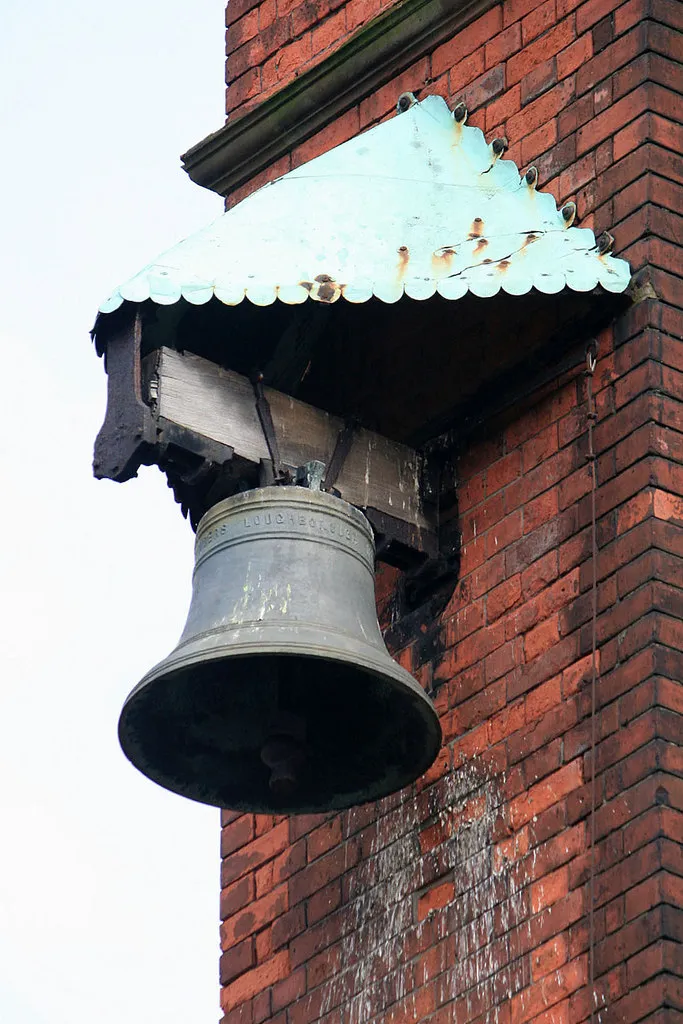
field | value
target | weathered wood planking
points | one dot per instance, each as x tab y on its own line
219	404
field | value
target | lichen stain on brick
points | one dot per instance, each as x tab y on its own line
473	901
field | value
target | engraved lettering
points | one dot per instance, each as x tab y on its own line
280	517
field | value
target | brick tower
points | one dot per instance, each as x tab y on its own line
534	874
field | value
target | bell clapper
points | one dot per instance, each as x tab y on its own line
284	753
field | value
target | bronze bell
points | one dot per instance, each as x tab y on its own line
281	696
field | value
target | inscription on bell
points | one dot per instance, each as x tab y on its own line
319	524
282	520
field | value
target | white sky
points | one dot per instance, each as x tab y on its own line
109	885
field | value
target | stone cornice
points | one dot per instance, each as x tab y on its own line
241	149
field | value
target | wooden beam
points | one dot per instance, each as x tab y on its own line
219	406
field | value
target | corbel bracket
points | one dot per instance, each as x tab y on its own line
128	435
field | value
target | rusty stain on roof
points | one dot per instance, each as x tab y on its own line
417	205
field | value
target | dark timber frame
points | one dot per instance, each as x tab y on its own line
198	422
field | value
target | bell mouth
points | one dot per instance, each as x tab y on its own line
204	731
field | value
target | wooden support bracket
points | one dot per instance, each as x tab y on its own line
217	406
125	440
199	423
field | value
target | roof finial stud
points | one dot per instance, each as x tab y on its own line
568	214
405	101
605	243
460	113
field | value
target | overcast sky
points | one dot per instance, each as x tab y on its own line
109	885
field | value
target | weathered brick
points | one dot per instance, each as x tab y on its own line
236	9
538	21
470	39
574	56
541	638
282	867
504	533
629	14
540	447
289	989
254	917
502	472
515	10
573	115
503	45
623	51
323	870
484	88
327	33
244	88
253	854
465	71
592	12
499	110
503	597
255	980
242	30
549	991
549	889
540	541
545	793
609	121
236	896
323	838
287	926
546	46
539	80
324	902
436	897
541	110
236	961
574	177
358	12
475	710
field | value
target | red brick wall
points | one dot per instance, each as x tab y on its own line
471	891
466	897
270	42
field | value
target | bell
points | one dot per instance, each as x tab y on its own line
281	696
